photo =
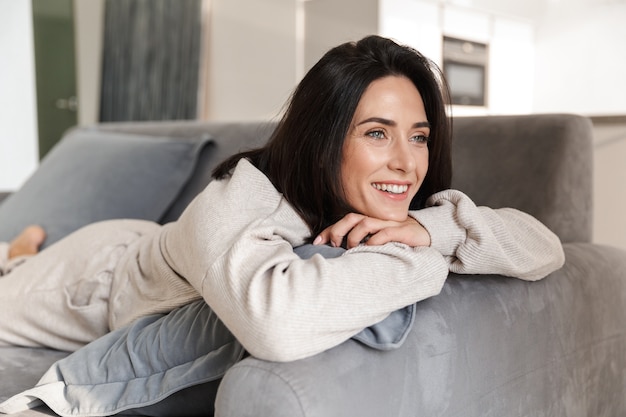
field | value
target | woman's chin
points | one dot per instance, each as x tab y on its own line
395	215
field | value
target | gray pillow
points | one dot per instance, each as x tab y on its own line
178	357
94	175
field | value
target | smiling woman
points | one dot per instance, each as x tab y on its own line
360	159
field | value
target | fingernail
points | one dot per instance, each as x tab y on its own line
317	240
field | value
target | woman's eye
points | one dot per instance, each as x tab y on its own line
420	139
376	134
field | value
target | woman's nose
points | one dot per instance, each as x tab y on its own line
401	157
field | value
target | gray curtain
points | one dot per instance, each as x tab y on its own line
151	60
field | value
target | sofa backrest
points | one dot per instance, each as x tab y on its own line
541	164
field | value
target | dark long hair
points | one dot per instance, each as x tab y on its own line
303	156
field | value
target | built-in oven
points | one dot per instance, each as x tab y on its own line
465	66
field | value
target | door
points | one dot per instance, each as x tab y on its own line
55	70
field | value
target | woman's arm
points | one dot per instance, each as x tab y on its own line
284	308
479	240
234	244
474	240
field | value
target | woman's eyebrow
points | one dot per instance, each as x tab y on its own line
422	124
392	123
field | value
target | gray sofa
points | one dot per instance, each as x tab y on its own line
486	346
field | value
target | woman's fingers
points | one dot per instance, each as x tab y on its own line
336	233
355	229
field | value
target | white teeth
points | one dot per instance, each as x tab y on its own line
391	188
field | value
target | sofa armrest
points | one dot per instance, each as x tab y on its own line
487	345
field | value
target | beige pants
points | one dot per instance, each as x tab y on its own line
60	297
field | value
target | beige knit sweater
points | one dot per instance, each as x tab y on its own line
234	246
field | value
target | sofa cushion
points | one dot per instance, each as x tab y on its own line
92	175
22	367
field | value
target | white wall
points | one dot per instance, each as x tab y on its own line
18	114
414	23
581	59
329	23
18	98
251	56
258	50
511	66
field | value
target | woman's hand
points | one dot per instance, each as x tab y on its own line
355	229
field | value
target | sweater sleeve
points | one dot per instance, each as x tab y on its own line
237	251
480	240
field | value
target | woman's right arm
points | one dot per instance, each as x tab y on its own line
285	308
235	246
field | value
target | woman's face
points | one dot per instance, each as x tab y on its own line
385	155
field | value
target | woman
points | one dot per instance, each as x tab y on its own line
361	159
